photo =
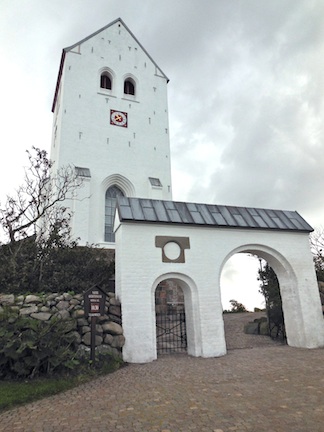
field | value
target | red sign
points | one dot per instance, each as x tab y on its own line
94	308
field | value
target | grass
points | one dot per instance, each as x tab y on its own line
14	393
19	392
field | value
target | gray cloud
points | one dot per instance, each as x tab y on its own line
245	94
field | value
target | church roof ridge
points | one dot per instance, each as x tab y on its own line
212	215
95	33
67	49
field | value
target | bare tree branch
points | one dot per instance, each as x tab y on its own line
41	192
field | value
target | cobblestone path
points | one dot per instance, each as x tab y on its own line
267	388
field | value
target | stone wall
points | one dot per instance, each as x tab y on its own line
109	332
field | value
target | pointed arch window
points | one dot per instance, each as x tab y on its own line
105	81
129	87
110	205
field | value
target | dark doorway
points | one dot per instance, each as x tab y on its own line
171	336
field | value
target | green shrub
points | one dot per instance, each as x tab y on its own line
27	266
29	347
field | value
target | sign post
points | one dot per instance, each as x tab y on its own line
94	306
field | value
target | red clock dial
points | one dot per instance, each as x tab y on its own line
118	118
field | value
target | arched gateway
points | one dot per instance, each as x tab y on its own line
190	243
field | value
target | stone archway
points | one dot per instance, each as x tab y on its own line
142	263
288	282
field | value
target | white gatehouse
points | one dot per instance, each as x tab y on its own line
190	243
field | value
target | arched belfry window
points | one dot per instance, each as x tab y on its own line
110	205
129	87
105	81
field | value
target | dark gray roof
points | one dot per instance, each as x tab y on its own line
158	211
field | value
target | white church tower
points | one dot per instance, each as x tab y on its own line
111	123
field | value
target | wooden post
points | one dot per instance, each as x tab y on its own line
94	305
93	339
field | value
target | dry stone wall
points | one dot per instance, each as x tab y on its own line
68	307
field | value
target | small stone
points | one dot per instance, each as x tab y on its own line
99	340
50	303
44	309
85	329
74	302
67	296
64	314
251	328
108	339
102	319
86	339
112	328
61	305
115	310
99	329
29	310
42	316
32	299
115	319
118	342
114	302
51	296
264	329
7	299
78	313
19	303
82	322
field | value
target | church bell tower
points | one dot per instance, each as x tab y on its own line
110	123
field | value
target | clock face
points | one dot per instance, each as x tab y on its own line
118	118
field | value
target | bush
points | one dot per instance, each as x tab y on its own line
27	266
30	348
236	307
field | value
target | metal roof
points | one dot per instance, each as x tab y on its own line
172	212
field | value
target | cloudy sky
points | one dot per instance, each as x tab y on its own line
245	95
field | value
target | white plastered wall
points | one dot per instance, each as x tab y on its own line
84	137
139	269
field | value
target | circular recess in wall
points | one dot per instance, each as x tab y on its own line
172	250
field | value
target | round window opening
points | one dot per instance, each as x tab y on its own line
172	251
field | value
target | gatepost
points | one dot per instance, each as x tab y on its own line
94	306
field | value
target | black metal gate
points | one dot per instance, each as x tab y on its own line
171	336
